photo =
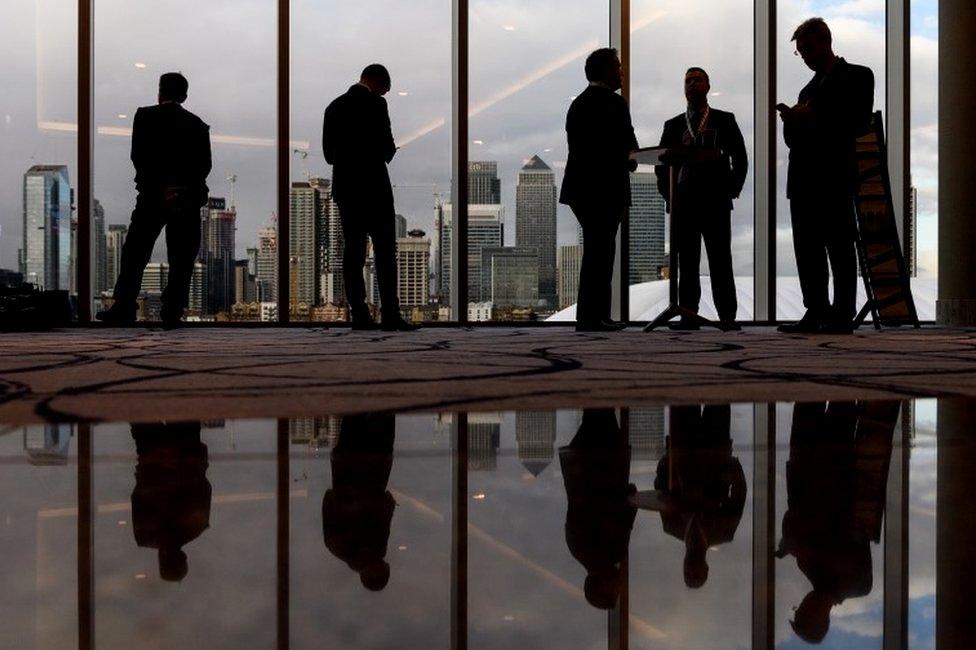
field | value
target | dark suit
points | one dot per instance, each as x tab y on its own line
599	516
171	500
704	205
358	142
171	154
596	185
821	183
358	510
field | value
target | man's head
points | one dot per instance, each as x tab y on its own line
811	620
695	567
377	78
375	575
173	565
814	43
603	66
173	87
602	588
697	86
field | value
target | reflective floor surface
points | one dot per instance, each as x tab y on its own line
743	526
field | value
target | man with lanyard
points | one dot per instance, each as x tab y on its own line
821	132
704	202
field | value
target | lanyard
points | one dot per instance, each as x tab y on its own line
701	123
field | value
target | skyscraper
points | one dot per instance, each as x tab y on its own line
413	269
570	260
401	226
484	186
245	291
217	254
510	276
100	250
46	256
310	215
486	227
535	221
113	252
535	435
646	228
267	264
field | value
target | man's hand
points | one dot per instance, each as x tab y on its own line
795	114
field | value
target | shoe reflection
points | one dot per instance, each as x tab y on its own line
171	499
701	483
599	515
358	510
835	482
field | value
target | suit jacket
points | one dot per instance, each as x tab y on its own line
822	149
601	137
722	179
171	148
358	142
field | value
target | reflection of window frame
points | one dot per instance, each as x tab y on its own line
766	42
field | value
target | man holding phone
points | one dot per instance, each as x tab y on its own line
704	202
833	109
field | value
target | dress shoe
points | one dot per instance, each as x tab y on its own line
837	326
366	324
809	324
116	316
172	323
684	324
601	326
399	325
729	326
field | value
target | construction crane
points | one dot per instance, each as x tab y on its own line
303	154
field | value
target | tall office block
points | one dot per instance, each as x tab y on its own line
267	264
510	276
245	290
46	256
113	252
484	186
217	254
441	252
198	282
311	203
413	269
535	435
486	228
100	249
646	228
535	221
570	260
155	277
401	226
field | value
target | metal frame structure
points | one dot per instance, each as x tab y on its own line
765	63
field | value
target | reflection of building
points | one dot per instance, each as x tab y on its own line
315	433
484	186
535	221
46	252
646	228
535	435
647	433
413	269
570	259
484	437
47	444
510	276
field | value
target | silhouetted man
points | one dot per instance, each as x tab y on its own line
704	202
834	108
596	184
171	500
835	485
171	154
358	510
703	482
599	516
358	142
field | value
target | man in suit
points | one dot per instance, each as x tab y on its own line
596	184
834	108
704	202
358	142
171	154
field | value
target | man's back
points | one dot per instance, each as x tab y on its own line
357	141
170	149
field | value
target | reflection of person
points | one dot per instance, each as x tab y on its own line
703	482
704	201
171	500
599	516
834	108
596	184
358	142
171	154
358	510
835	481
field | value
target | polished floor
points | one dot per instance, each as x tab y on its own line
110	375
841	524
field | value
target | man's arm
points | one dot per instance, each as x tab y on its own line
328	139
138	153
663	172
387	145
739	157
863	103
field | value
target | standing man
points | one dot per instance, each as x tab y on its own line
705	193
358	142
171	154
821	131
596	184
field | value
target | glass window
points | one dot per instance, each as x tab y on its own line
923	237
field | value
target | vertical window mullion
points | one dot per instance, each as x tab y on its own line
85	129
284	157
764	220
459	158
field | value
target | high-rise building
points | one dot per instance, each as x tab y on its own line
114	240
311	203
413	269
155	277
910	234
267	264
245	290
484	186
442	261
484	438
198	281
570	260
401	226
46	252
535	435
316	433
486	227
535	221
217	254
100	263
646	228
510	276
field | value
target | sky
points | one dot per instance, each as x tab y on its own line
526	64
